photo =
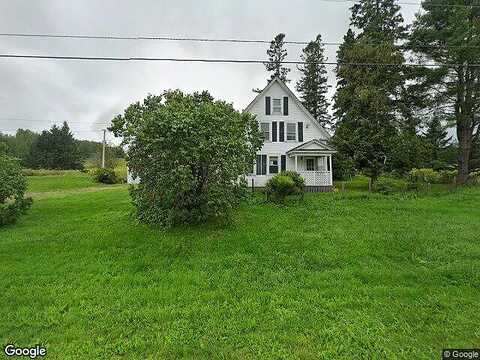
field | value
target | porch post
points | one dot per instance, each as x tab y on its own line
331	169
296	163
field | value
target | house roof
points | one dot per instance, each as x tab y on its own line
311	146
277	80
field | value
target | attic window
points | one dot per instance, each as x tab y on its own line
277	107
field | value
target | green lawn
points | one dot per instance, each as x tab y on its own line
347	276
70	180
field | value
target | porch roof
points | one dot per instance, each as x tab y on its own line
312	147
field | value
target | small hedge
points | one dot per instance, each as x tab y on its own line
104	176
284	184
13	186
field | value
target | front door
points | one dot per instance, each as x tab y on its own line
310	164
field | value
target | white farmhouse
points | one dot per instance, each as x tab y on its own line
294	140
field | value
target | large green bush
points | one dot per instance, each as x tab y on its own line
284	184
104	176
190	153
13	186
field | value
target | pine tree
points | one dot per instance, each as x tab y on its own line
446	35
276	55
378	20
55	149
436	137
365	105
312	85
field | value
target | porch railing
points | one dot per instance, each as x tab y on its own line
316	178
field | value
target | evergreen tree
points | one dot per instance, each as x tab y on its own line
312	85
276	55
55	149
451	35
436	137
365	101
379	21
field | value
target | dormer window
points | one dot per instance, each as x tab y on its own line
277	107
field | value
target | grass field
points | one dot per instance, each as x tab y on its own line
48	183
349	276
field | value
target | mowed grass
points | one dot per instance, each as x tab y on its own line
339	276
69	180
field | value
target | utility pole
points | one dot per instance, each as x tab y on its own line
103	149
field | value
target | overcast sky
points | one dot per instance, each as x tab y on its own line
89	94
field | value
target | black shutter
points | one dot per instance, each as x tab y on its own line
282	131
264	164
267	105
283	163
259	165
274	131
285	105
300	131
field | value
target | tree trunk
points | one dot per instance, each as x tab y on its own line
464	151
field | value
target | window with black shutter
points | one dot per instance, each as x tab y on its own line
267	105
285	105
281	132
261	166
283	163
274	131
300	131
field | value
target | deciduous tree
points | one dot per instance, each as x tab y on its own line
190	152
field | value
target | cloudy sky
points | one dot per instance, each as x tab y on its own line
35	94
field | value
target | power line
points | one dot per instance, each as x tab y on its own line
231	61
161	38
52	122
72	130
204	40
409	3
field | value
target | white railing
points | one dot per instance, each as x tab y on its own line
316	178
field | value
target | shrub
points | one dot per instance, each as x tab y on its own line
191	153
296	177
13	186
284	184
448	176
418	178
387	185
474	178
425	175
104	176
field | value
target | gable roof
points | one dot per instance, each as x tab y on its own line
277	80
313	145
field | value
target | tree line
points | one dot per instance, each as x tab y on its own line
387	116
55	148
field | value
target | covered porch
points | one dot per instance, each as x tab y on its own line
313	161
